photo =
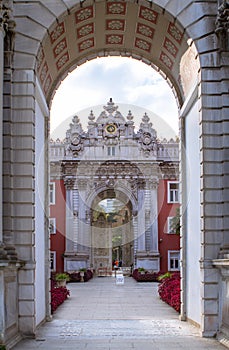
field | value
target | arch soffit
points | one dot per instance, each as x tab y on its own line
86	30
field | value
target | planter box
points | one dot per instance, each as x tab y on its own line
145	276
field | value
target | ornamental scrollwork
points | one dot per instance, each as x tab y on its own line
222	24
5	14
7	24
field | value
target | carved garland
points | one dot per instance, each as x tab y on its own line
7	24
222	24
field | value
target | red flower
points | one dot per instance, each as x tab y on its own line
58	296
169	291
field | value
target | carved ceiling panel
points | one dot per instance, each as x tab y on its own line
102	28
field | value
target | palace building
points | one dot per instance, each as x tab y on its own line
114	194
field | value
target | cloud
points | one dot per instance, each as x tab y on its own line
126	80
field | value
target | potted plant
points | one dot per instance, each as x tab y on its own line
141	270
82	271
61	279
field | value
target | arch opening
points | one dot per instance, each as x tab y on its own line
157	40
112	232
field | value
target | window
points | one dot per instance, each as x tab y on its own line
173	260
53	261
111	151
52	196
171	224
173	192
52	225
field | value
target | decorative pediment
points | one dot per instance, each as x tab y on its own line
112	136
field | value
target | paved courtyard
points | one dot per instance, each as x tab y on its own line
102	315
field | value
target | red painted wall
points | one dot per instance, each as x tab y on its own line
166	241
58	211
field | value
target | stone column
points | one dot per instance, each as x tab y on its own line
8	25
19	188
88	232
2	304
2	34
141	217
69	217
153	214
183	219
222	263
82	215
47	235
75	223
135	231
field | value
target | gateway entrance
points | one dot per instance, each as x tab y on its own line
118	184
112	235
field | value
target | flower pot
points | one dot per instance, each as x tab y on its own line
61	283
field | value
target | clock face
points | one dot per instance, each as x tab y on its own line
111	128
147	140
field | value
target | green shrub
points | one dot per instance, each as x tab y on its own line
164	276
61	277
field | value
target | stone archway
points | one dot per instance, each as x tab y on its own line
179	40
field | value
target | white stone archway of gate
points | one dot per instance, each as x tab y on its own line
175	38
158	39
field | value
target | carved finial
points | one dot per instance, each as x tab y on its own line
145	122
110	108
146	126
130	118
75	119
91	118
75	127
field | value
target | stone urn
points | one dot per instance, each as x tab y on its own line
61	279
82	272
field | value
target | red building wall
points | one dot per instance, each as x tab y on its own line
58	211
166	241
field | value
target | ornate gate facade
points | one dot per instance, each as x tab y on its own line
112	160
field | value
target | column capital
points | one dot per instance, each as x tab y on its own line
152	183
82	184
3	253
69	183
141	184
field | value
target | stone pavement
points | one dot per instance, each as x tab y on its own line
102	315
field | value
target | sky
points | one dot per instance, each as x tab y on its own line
131	84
